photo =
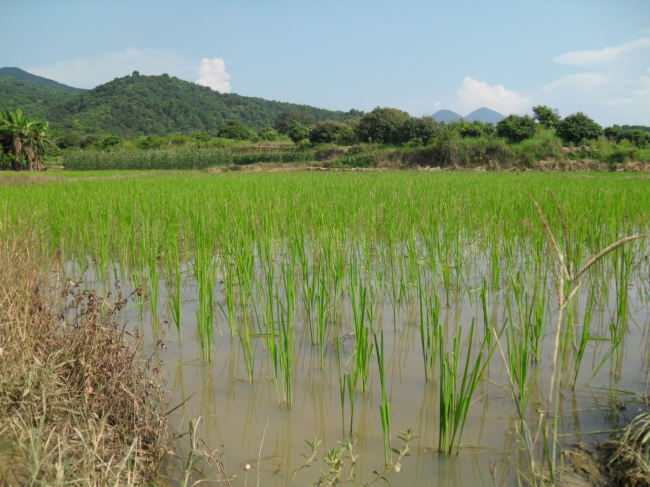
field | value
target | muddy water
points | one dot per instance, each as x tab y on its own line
249	424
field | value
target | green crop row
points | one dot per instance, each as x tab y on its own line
176	159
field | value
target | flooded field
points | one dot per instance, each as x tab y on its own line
465	308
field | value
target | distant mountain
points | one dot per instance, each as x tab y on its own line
20	75
482	115
142	105
485	115
446	116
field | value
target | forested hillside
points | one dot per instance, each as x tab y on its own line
37	100
143	105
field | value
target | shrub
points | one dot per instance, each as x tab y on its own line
382	125
331	133
539	148
420	130
472	129
269	134
110	142
368	159
234	130
150	142
298	132
516	128
578	127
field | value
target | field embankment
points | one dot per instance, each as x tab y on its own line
479	153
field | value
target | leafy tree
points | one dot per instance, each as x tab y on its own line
516	128
382	125
546	116
578	127
473	129
331	132
285	120
234	130
29	140
420	130
298	132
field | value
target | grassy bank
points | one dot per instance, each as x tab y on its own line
76	407
545	151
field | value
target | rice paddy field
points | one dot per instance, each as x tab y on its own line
429	328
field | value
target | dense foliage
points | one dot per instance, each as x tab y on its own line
23	141
332	132
578	127
382	125
36	100
546	116
516	128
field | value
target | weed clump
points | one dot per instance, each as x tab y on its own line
76	407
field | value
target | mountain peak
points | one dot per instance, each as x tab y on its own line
482	114
486	115
446	116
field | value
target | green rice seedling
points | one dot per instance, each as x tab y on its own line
536	323
384	407
154	258
229	309
519	361
585	337
458	382
347	388
395	281
358	296
244	266
286	331
323	299
175	282
429	305
204	271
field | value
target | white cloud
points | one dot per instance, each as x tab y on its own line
212	73
474	94
608	56
577	82
615	89
92	71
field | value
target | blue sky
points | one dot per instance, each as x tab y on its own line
575	55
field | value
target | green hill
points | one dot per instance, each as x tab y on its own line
137	105
38	97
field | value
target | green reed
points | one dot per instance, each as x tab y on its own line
384	407
458	381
